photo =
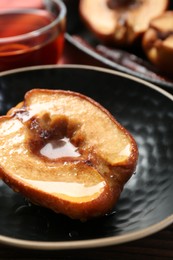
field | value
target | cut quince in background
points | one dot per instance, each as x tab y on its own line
158	42
64	151
120	22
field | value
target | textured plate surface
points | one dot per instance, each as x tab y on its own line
145	205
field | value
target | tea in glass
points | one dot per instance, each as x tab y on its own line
32	36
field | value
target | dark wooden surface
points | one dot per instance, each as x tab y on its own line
156	247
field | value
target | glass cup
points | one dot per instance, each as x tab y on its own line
31	34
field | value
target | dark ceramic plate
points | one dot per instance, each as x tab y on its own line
131	61
145	205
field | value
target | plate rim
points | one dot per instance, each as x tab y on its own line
98	242
114	65
88	243
91	67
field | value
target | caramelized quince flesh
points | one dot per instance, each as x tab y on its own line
64	151
120	22
158	42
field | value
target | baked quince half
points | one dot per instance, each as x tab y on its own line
64	151
158	42
120	22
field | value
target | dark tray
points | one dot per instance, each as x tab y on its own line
129	61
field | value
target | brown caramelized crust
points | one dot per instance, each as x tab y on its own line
158	42
66	152
120	22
